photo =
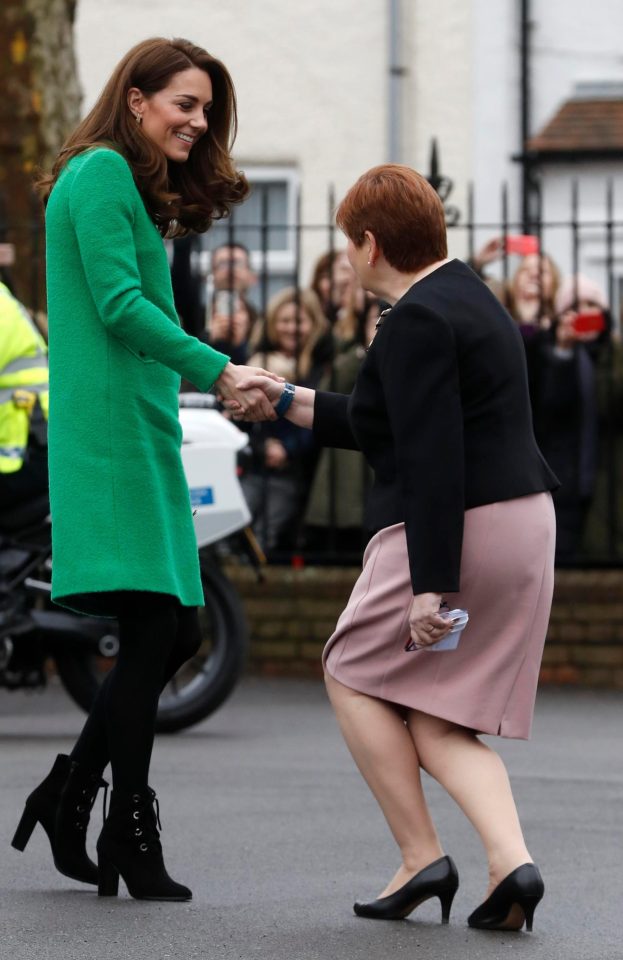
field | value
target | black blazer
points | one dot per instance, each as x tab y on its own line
442	414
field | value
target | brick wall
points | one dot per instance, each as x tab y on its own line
292	612
585	638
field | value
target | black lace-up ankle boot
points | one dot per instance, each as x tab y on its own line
62	804
129	846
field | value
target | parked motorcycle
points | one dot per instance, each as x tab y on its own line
34	630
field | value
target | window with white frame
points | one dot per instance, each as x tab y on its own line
265	224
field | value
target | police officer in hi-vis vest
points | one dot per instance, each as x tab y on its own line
23	405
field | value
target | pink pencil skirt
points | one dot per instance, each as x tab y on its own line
489	682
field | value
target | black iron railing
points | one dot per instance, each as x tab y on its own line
590	245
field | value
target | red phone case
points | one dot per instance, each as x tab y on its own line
522	243
593	322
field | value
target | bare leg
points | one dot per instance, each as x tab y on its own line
476	778
387	759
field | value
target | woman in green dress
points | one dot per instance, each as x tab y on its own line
151	159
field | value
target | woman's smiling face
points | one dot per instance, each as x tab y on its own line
293	327
175	117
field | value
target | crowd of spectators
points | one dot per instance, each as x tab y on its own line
305	498
567	331
313	336
301	497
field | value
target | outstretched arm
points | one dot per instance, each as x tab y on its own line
323	412
300	411
103	191
250	402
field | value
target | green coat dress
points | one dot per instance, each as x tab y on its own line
121	515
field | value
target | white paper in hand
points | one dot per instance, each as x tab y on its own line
451	641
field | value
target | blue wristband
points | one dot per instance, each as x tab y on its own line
285	400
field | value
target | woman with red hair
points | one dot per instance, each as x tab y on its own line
461	516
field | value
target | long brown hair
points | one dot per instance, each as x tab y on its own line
305	300
179	196
546	307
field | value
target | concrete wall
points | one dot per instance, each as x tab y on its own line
438	40
310	79
313	82
572	42
495	111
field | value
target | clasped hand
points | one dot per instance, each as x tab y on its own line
425	623
249	393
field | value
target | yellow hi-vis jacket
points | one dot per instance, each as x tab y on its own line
23	379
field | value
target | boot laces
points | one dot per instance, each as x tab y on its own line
154	800
148	820
145	826
104	810
88	795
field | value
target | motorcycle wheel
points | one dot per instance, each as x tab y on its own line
203	683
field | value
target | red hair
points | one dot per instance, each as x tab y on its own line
403	212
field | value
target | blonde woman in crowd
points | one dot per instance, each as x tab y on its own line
284	457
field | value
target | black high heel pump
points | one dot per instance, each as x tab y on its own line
514	900
438	879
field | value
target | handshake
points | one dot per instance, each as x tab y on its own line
249	393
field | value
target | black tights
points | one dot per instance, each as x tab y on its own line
156	635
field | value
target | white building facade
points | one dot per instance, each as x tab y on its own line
331	88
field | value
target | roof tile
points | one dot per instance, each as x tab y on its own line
582	125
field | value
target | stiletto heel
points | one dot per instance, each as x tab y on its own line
529	906
438	879
107	878
512	902
24	830
445	899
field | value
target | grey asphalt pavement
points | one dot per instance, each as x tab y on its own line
267	820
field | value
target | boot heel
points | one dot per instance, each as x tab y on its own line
445	899
107	879
24	830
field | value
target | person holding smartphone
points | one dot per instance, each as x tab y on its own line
530	293
581	310
231	320
564	370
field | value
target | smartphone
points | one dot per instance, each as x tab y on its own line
226	302
593	322
522	243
